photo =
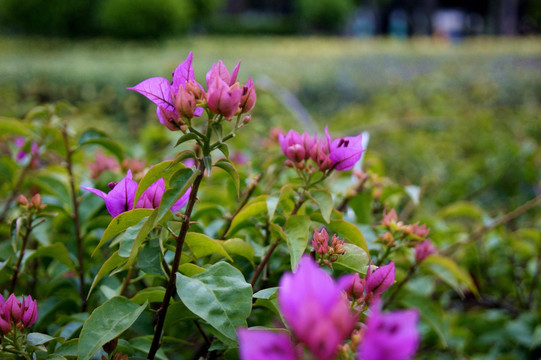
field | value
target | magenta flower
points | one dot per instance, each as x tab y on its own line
219	70
380	280
296	147
344	152
316	309
423	250
222	98
166	95
265	345
29	309
249	97
121	196
5	318
13	306
152	197
390	336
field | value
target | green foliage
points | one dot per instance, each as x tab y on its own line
324	15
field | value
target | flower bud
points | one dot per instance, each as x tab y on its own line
249	96
388	239
29	309
355	290
247	119
36	201
13	306
185	103
5	321
22	200
380	280
320	241
337	244
423	250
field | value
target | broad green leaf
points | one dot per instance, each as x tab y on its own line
430	313
91	133
36	338
228	167
150	295
448	271
56	186
186	137
266	293
183	155
220	295
106	323
112	263
201	245
179	183
161	170
296	229
12	126
323	199
272	203
361	204
462	209
97	137
120	223
8	167
354	259
345	229
128	237
56	251
190	269
150	258
224	149
177	312
239	247
69	348
249	211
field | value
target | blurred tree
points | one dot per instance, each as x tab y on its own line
324	15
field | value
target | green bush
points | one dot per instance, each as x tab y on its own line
144	19
324	15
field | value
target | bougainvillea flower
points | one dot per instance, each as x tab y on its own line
5	317
222	98
380	279
390	336
344	152
29	309
13	306
121	196
265	345
423	250
249	97
315	308
164	94
295	146
152	197
101	164
219	70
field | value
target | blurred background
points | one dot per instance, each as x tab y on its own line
450	92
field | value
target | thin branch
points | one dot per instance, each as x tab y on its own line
171	285
76	222
17	267
245	198
127	279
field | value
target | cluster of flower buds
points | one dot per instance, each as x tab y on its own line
327	154
17	314
327	254
423	250
395	228
33	205
103	163
372	285
184	98
122	196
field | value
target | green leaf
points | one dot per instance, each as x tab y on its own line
161	170
448	271
106	323
296	229
128	237
143	343
201	245
69	348
252	209
224	149
97	137
56	251
13	126
239	247
114	262
354	259
228	167
56	186
430	313
121	222
323	199
186	137
150	258
190	269
220	295
266	293
345	229
462	209
38	338
150	295
183	155
179	183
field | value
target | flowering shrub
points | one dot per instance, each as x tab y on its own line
291	254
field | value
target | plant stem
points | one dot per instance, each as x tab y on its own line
171	285
21	253
127	279
16	189
247	195
75	202
273	246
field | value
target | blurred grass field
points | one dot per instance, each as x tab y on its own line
460	120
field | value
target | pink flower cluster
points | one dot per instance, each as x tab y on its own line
122	196
23	155
318	314
327	154
184	98
17	313
327	254
373	285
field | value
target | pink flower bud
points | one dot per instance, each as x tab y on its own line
380	280
320	241
423	250
223	99
389	218
13	306
5	320
337	244
418	231
249	96
185	103
29	311
355	288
